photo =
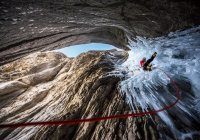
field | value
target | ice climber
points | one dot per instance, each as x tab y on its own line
146	65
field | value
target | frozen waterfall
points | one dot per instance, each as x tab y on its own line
178	56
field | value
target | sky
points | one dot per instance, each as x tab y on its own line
73	51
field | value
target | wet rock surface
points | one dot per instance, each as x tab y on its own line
49	86
29	26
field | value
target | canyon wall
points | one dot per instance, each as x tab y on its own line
49	86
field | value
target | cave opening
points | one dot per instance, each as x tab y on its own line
75	50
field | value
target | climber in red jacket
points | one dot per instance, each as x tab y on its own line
142	61
146	65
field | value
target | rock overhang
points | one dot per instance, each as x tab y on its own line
31	26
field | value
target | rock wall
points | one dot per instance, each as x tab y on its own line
49	86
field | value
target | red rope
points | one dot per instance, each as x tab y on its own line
76	121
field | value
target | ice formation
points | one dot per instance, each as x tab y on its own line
179	57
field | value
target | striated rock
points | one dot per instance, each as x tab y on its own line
50	86
30	26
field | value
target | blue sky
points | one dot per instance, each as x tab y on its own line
75	50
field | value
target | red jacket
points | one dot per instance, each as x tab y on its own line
142	62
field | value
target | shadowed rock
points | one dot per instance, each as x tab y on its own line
29	26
